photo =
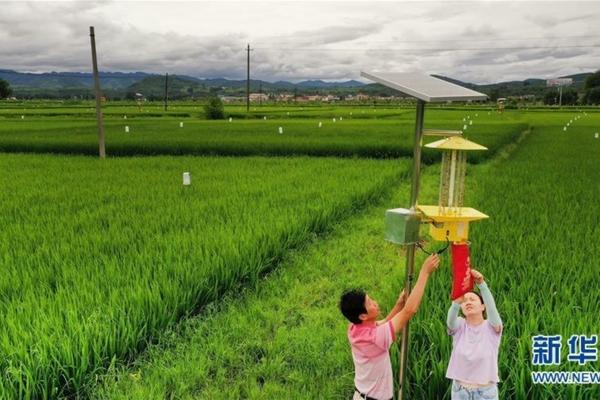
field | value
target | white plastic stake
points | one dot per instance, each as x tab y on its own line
471	122
181	124
22	117
280	130
187	180
124	116
265	117
230	119
565	129
334	120
464	127
341	118
596	135
464	119
320	124
126	129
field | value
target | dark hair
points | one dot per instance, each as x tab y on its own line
481	299
352	304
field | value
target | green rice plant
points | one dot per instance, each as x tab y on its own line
146	136
100	256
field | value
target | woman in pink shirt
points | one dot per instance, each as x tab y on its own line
473	365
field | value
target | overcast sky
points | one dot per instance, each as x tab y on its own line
479	42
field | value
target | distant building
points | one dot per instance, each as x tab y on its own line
285	97
231	99
259	97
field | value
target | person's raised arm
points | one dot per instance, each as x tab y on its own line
414	299
488	300
397	307
452	318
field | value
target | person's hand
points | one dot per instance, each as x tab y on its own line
477	276
402	299
431	264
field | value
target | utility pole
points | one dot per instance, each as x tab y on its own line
101	147
260	93
166	91
248	81
560	96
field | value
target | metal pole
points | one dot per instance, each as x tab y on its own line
248	81
166	91
560	96
101	148
410	250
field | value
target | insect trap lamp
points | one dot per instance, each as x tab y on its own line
449	220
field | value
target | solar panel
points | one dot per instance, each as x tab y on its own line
424	87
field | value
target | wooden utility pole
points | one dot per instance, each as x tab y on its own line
101	148
248	81
166	91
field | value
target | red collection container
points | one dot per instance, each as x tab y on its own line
462	282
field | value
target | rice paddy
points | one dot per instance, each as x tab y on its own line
120	282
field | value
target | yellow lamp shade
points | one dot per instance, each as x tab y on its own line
450	223
455	143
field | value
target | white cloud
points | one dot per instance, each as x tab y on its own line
473	41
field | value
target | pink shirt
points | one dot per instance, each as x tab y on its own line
474	356
370	351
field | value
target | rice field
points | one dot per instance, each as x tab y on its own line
169	136
543	278
99	256
119	282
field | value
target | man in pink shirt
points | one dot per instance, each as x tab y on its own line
371	339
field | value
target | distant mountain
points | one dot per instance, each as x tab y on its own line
63	80
318	84
153	87
531	86
121	80
120	84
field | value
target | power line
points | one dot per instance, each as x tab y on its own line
474	40
359	49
